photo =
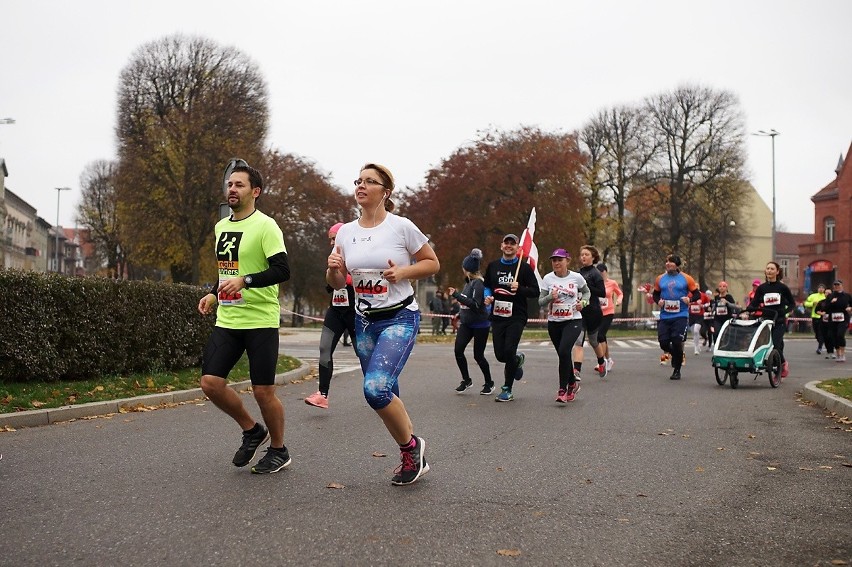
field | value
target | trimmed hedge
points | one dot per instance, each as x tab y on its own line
58	327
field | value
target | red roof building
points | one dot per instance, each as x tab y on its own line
829	255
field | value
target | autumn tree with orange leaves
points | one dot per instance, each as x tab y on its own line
305	204
486	189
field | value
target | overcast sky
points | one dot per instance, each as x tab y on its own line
405	83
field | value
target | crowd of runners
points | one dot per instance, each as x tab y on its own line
369	271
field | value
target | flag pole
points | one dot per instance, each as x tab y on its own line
520	261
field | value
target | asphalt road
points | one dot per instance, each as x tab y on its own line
639	470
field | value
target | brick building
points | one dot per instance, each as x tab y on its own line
829	255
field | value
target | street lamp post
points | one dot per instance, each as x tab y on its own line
771	133
59	191
732	223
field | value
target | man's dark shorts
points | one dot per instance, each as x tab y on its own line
671	329
226	346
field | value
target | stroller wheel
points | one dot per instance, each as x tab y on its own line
721	376
773	368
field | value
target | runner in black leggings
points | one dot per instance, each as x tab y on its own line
339	320
592	314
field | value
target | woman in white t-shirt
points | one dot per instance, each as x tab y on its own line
383	252
565	293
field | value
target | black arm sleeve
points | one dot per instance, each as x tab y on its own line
277	272
696	295
527	282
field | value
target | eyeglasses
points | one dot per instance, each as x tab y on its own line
368	182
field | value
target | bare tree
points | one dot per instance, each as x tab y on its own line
98	211
185	106
620	146
699	136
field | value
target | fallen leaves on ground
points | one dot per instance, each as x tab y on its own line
509	552
336	485
379	454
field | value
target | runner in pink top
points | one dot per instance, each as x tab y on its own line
613	297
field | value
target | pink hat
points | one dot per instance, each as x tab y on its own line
755	282
333	230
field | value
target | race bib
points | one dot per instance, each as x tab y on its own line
561	312
695	308
671	306
772	299
230	300
370	285
838	317
340	298
604	301
502	308
721	310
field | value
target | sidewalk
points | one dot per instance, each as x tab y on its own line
841	406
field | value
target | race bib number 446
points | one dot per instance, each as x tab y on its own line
370	285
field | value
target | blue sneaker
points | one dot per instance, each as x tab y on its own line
505	395
519	372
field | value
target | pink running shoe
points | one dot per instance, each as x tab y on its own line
562	396
317	400
785	369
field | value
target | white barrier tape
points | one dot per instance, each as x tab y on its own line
302	315
616	320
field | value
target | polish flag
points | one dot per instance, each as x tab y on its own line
528	249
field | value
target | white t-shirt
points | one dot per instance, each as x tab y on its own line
565	307
366	252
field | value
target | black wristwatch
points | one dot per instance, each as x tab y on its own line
247	281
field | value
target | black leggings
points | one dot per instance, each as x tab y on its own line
506	335
778	330
592	319
602	330
818	331
838	330
480	339
337	321
563	335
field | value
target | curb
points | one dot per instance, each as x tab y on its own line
827	400
36	418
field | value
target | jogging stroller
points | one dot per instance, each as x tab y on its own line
746	346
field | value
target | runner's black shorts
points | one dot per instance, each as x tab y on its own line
226	346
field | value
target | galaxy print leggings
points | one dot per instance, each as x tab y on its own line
383	347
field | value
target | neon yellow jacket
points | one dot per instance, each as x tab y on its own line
812	301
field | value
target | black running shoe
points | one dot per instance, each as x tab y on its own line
413	464
273	461
487	389
675	375
251	442
519	373
464	386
